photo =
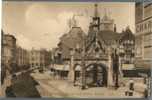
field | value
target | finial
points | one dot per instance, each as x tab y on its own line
96	10
115	28
72	22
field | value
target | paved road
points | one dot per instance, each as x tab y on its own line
61	88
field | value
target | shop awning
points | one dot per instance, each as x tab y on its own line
61	67
65	67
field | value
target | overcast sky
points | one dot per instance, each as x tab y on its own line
40	24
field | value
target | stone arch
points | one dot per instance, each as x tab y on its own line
96	74
76	65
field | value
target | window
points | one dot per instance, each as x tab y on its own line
148	40
148	53
138	46
148	46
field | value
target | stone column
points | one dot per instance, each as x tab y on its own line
71	69
110	70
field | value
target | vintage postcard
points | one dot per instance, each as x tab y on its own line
76	49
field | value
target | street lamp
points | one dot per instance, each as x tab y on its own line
115	59
83	54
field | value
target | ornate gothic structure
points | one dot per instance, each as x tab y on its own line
92	52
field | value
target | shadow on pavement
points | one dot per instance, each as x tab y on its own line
23	86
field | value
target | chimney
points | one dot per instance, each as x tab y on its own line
115	29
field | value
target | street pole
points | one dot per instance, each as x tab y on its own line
116	65
83	66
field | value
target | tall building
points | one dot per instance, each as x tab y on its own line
143	35
22	57
8	52
139	12
39	58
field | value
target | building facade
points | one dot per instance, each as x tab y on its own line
8	52
127	47
22	57
39	58
143	35
92	50
71	40
107	35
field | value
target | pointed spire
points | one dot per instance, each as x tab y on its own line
105	17
72	22
115	28
96	10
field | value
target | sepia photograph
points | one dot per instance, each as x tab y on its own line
76	49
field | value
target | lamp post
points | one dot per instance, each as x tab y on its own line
115	58
83	65
83	69
121	58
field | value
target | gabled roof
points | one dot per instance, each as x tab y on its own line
108	36
127	35
74	37
71	40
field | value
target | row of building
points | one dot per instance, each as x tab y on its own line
16	58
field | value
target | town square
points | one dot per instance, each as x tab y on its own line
76	49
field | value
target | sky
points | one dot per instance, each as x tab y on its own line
41	24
